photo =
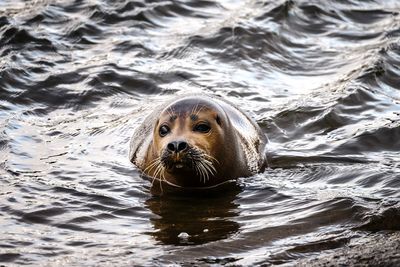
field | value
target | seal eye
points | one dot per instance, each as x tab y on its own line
164	130
202	128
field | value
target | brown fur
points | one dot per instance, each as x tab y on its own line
224	146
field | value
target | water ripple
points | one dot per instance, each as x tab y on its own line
320	78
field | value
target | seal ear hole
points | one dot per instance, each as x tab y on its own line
218	119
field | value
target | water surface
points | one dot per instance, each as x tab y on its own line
77	77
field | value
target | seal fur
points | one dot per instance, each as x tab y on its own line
207	141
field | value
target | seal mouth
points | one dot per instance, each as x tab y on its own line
191	160
179	165
172	162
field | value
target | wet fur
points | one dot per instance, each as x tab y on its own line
229	159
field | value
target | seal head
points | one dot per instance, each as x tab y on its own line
195	144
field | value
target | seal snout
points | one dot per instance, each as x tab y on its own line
177	146
176	155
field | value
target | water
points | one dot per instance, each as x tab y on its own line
77	77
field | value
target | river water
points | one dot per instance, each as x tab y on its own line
77	77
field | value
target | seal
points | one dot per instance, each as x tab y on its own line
198	141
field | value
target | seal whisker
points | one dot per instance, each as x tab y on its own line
152	182
152	165
205	171
158	171
208	167
202	171
154	161
210	164
169	112
198	173
194	109
197	169
211	158
162	178
203	164
200	109
172	112
155	174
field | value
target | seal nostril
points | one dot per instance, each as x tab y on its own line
172	146
182	146
177	146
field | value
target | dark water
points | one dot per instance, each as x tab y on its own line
77	77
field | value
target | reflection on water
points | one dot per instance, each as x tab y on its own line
320	78
194	218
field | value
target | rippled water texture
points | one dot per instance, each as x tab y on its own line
320	77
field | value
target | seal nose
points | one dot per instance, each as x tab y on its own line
177	146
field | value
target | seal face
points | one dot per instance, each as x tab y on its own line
198	141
